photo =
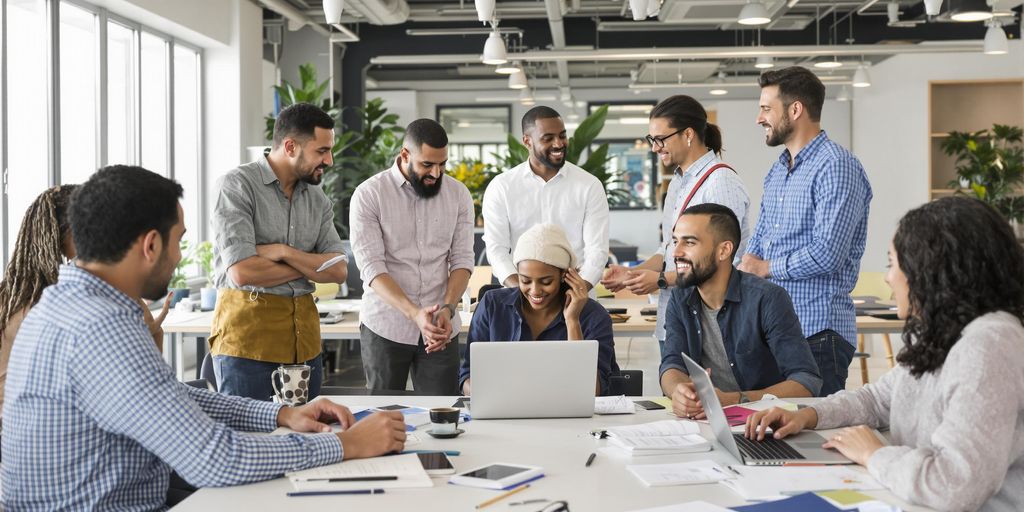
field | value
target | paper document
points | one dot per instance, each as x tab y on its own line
614	405
406	467
331	262
693	506
662	445
655	428
770	483
680	473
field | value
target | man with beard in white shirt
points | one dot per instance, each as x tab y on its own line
546	189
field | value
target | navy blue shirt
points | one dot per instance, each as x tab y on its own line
498	317
760	331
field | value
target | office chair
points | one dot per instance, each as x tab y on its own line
627	382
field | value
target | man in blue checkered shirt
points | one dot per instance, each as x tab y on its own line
813	224
94	418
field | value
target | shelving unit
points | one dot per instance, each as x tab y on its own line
966	106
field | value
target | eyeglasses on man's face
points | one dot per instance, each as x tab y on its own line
659	142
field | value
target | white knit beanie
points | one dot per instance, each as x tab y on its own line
545	243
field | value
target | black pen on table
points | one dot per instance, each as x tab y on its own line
329	493
352	479
590	460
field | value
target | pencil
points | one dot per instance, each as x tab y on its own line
502	496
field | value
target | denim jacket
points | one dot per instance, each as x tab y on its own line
760	330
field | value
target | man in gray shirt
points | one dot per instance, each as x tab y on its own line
741	328
274	228
412	237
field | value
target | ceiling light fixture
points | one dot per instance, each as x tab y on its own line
719	89
653	8
507	68
828	64
639	9
517	80
844	94
764	62
969	10
932	7
861	77
526	98
995	40
332	11
484	10
754	13
494	50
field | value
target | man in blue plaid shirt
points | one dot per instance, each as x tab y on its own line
810	234
94	418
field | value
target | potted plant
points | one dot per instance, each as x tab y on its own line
475	175
178	285
204	257
990	165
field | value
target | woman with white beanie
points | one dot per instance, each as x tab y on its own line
550	304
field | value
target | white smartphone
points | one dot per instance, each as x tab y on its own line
498	476
436	463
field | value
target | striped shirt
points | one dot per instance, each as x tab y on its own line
724	187
94	418
812	229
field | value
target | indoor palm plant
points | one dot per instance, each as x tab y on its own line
204	258
990	165
179	284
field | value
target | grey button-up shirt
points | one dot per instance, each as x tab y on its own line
252	210
415	240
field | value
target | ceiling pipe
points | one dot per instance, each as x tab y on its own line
708	53
294	16
554	12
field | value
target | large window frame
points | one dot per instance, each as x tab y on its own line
653	158
458	150
53	114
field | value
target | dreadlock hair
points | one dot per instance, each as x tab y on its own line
38	252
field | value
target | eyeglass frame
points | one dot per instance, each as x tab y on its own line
559	506
660	141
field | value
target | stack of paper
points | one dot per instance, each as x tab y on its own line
772	483
395	471
680	473
659	438
614	405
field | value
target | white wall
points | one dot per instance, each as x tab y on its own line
403	103
891	132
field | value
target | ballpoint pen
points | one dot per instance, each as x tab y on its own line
352	479
330	493
528	502
590	460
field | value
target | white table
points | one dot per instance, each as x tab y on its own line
560	446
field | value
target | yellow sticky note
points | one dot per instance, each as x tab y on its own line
846	498
665	401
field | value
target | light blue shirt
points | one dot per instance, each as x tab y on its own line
95	420
812	229
724	187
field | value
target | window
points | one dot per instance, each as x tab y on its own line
79	96
154	103
475	132
630	158
27	97
120	94
186	138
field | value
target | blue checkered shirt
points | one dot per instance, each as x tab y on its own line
812	229
95	420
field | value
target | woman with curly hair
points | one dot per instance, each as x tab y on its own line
955	403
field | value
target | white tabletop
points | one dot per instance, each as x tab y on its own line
560	446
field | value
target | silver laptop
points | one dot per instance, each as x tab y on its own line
804	447
533	379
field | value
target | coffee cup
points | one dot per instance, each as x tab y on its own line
294	384
444	420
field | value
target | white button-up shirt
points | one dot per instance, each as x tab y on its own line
574	199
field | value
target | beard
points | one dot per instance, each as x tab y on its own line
155	287
780	133
422	189
312	178
545	158
699	274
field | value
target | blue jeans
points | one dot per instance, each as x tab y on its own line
833	354
251	378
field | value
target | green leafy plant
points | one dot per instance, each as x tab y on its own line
596	162
357	154
179	278
475	175
990	164
204	257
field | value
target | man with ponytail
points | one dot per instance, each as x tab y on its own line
687	143
813	224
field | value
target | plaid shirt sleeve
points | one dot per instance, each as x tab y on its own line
178	426
839	204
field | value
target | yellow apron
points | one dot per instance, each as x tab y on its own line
264	327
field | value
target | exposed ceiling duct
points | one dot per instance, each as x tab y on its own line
381	12
554	12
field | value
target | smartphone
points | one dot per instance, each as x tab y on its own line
436	463
395	407
649	405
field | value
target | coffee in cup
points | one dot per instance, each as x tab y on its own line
444	420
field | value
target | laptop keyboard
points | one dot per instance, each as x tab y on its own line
768	449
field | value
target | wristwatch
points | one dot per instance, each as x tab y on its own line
451	309
662	282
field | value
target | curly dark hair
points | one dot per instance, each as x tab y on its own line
962	261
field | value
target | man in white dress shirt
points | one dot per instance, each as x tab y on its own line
546	189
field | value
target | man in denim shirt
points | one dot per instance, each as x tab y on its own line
740	327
